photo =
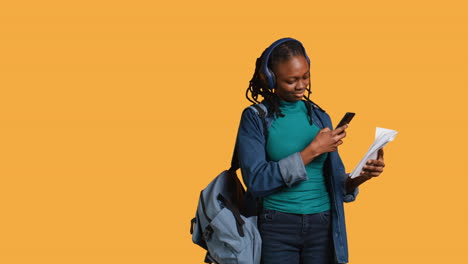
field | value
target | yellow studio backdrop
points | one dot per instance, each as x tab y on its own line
115	114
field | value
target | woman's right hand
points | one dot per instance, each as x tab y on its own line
326	140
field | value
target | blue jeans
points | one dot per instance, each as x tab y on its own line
295	238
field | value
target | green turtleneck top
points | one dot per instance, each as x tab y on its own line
287	135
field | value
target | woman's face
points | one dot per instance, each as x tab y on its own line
292	78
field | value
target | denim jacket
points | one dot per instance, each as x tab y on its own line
263	177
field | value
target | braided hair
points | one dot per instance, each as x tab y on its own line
259	86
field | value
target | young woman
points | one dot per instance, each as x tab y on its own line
291	163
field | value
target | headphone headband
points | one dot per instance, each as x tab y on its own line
267	72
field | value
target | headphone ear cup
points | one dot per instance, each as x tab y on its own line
272	80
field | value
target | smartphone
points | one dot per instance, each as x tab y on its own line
346	119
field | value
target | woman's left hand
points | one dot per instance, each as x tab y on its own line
373	168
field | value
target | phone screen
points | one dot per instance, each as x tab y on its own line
346	119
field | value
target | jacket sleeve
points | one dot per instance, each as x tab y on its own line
349	197
261	176
343	176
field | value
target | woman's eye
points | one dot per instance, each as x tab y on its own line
289	82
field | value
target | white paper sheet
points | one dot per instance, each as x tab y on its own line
382	137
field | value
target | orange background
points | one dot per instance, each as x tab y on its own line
114	115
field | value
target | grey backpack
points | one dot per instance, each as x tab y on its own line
219	226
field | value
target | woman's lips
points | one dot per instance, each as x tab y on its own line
300	94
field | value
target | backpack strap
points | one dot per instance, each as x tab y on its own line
262	112
235	211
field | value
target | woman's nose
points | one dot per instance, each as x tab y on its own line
302	84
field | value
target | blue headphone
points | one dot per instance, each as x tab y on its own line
267	72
